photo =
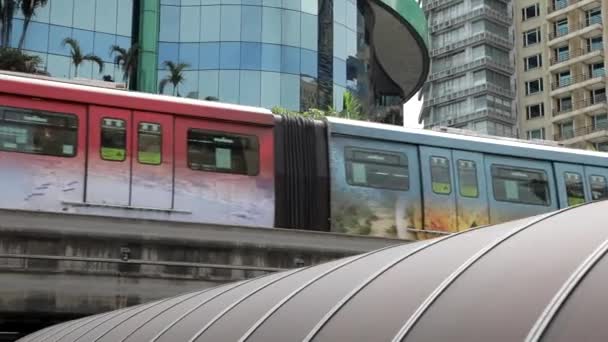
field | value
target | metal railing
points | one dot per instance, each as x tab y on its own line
568	81
569	134
457	68
581	104
479	37
573	28
560	4
440	24
566	56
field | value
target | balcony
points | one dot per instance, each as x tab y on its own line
487	12
431	5
484	62
571	83
561	7
586	106
591	27
453	96
592	133
590	55
486	37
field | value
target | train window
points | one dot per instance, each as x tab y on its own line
113	139
223	152
149	143
35	132
520	185
574	188
440	176
376	169
599	187
467	178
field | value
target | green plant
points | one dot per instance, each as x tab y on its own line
127	59
17	60
78	57
175	76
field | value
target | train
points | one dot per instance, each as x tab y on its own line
86	149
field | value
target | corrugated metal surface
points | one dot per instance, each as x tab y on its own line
537	278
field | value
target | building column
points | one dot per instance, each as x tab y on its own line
149	22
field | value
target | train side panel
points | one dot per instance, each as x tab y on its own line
42	153
375	187
224	172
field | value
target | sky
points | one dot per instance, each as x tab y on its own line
411	110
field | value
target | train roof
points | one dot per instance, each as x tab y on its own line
512	148
66	90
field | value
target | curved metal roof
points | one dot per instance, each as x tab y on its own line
539	278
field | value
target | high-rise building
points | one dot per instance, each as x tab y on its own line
296	54
561	79
470	83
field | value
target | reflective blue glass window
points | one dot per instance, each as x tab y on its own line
37	37
230	2
339	97
272	3
209	56
56	36
308	63
189	88
230	23
340	11
188	53
229	86
16	33
124	42
351	15
252	2
169	22
310	27
191	2
271	57
292	4
310	7
249	93
340	72
340	41
270	89
189	24
251	56
170	2
85	70
290	91
210	2
85	38
208	84
351	43
210	27
105	16
230	55
43	14
291	28
290	60
62	12
58	66
102	44
251	24
271	25
84	14
167	52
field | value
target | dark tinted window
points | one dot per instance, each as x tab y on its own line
574	188
599	187
223	152
467	178
440	175
376	169
149	138
520	185
36	132
113	139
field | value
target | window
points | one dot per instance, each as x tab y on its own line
562	53
376	169
223	152
35	132
530	12
597	70
532	37
564	104
149	141
518	185
440	176
594	44
594	16
600	121
564	79
536	134
598	96
535	111
602	146
561	27
534	86
467	178
113	139
599	187
574	188
566	129
533	62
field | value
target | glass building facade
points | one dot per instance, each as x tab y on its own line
295	54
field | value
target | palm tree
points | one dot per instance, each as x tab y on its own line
127	59
28	8
351	107
175	76
7	11
78	57
17	60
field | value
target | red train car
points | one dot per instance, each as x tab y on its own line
82	149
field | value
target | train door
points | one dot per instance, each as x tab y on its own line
571	184
152	179
471	196
519	188
597	180
108	158
438	189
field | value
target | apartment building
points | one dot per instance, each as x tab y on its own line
470	85
560	68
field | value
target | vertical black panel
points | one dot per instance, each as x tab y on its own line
326	53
